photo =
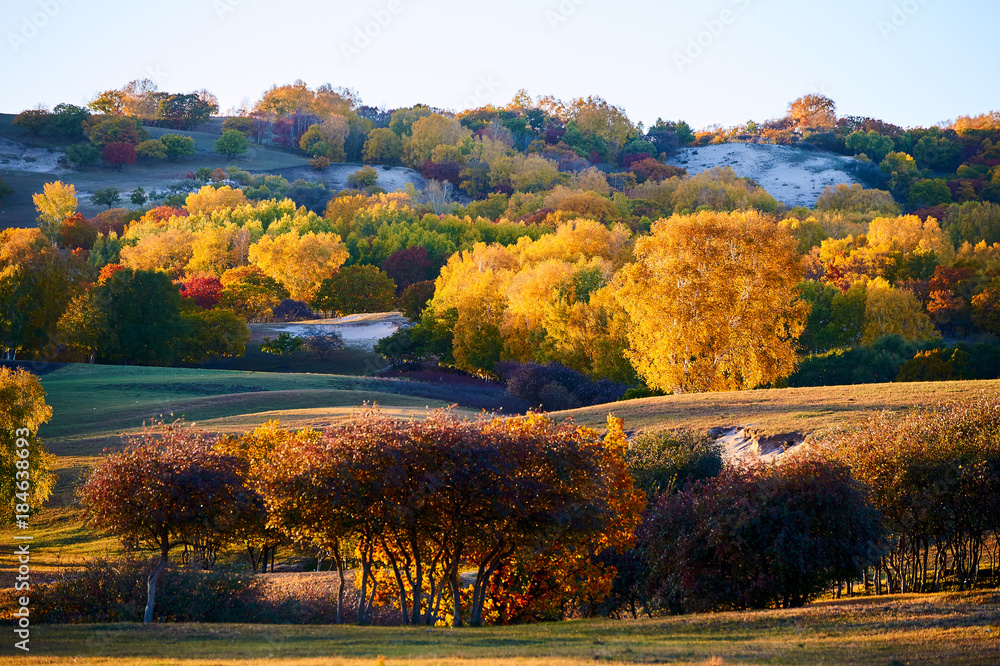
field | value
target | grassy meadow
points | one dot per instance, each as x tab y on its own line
94	404
959	628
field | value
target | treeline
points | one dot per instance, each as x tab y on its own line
558	522
526	503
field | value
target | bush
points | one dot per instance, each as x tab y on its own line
766	535
292	310
859	365
672	459
114	590
555	387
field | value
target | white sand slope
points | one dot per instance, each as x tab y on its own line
794	176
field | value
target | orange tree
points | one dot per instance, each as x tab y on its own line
421	500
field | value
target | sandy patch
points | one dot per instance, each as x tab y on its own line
17	156
359	330
794	176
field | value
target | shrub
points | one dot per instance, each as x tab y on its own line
114	590
760	536
292	310
555	387
672	459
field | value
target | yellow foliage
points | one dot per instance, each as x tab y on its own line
169	251
711	302
300	263
890	311
209	199
54	204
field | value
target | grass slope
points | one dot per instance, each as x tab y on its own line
775	411
962	628
18	209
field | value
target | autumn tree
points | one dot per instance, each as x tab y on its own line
56	202
300	263
33	120
27	475
152	148
813	111
383	146
168	487
711	301
118	154
356	289
891	311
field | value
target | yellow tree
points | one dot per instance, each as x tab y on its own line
209	199
54	204
890	311
429	133
300	263
169	251
711	302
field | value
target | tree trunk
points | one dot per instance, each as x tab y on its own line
151	584
340	587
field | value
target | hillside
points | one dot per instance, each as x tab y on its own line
28	162
793	176
778	411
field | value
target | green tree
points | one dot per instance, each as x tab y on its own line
177	145
211	334
82	154
143	318
283	345
138	196
232	143
106	196
67	119
356	289
153	148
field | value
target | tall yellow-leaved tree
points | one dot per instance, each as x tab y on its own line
711	302
299	263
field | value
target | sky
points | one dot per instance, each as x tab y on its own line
909	62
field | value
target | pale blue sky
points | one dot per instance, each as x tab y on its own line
911	62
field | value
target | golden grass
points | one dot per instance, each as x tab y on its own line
957	628
773	411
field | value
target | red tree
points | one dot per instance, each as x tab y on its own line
77	232
108	271
204	291
119	154
407	266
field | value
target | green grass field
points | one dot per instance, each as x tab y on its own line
913	629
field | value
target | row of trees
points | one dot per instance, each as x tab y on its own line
527	503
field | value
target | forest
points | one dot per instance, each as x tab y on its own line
548	233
